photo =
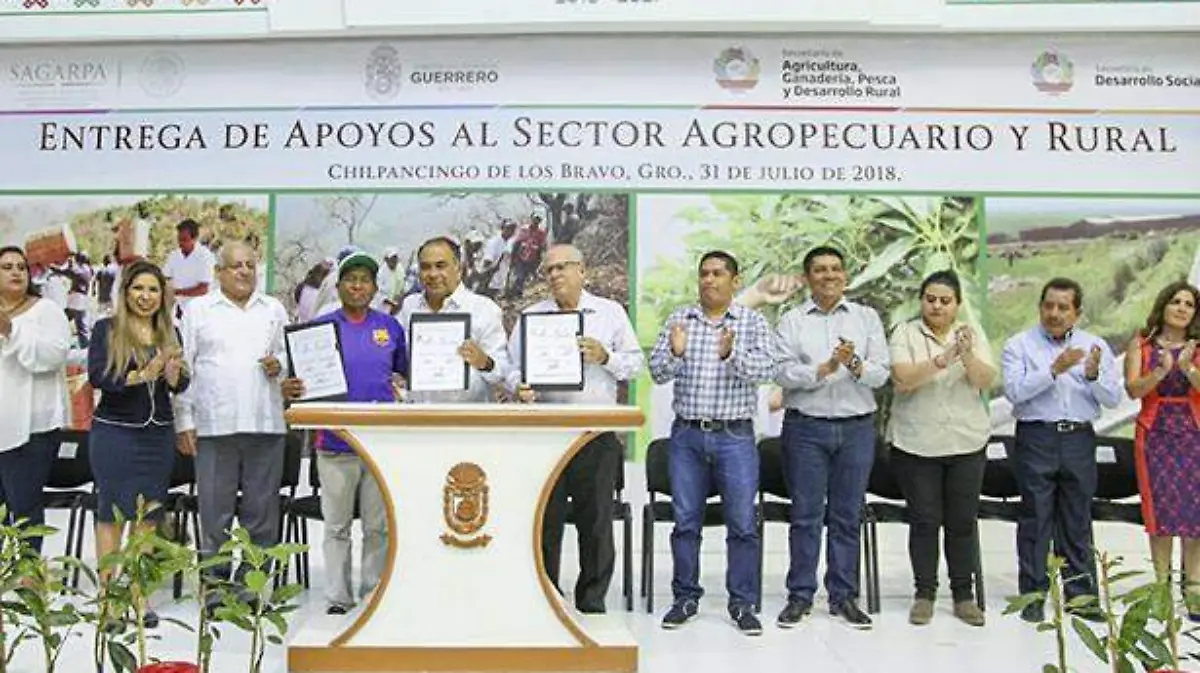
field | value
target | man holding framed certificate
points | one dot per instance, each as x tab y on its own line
374	358
456	337
595	347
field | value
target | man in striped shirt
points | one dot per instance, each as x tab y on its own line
717	353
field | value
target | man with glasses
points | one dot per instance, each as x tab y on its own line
611	354
231	418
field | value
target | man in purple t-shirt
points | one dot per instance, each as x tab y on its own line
374	356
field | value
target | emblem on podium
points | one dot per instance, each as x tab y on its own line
465	506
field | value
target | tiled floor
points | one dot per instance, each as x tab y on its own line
1005	645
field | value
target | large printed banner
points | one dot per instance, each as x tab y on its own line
1007	160
923	114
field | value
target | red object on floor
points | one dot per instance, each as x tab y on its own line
170	667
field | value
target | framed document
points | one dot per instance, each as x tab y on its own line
550	356
314	353
433	360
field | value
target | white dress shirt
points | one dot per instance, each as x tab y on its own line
807	337
222	345
190	270
605	321
487	330
32	358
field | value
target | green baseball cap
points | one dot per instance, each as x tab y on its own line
358	260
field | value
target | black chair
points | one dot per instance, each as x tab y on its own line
293	455
298	512
623	512
1116	481
656	510
183	506
890	507
774	500
65	489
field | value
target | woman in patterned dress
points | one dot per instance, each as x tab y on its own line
1161	370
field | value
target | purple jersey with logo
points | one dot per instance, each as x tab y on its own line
372	350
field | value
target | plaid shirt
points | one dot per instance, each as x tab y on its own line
707	387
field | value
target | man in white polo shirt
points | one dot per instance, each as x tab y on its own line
190	266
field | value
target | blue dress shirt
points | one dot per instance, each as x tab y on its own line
1037	395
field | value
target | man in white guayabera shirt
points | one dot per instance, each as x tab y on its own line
485	352
231	417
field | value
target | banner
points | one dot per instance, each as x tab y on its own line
1008	160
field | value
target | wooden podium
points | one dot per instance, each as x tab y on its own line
465	586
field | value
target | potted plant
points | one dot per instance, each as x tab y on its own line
260	604
16	554
48	618
1140	624
141	566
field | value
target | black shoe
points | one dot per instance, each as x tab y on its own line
336	609
1034	613
150	620
591	609
747	623
848	612
793	614
1194	617
679	614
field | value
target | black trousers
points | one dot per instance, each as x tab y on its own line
1056	472
23	474
589	481
942	494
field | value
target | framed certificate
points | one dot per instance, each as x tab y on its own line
433	360
550	356
314	354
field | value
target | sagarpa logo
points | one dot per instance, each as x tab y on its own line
382	76
162	74
1053	73
736	69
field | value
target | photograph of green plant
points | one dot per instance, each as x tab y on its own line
891	244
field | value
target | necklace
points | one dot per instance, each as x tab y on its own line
9	310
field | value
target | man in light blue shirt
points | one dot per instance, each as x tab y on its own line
832	354
1057	377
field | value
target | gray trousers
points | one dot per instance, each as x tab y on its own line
249	464
346	482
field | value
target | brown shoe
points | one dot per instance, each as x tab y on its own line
921	612
969	613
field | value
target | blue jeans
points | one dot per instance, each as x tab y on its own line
827	464
697	459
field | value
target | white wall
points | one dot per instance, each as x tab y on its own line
108	20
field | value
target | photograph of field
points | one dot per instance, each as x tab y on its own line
1122	251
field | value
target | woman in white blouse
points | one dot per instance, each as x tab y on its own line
938	431
34	340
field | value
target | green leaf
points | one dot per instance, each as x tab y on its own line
255	581
122	658
1049	668
1082	601
1124	665
181	624
1090	639
286	593
277	621
1046	626
274	639
883	262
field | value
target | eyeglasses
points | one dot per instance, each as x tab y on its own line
551	269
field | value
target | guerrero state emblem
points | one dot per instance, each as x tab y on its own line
465	506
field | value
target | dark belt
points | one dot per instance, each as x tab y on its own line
795	415
714	424
1060	426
